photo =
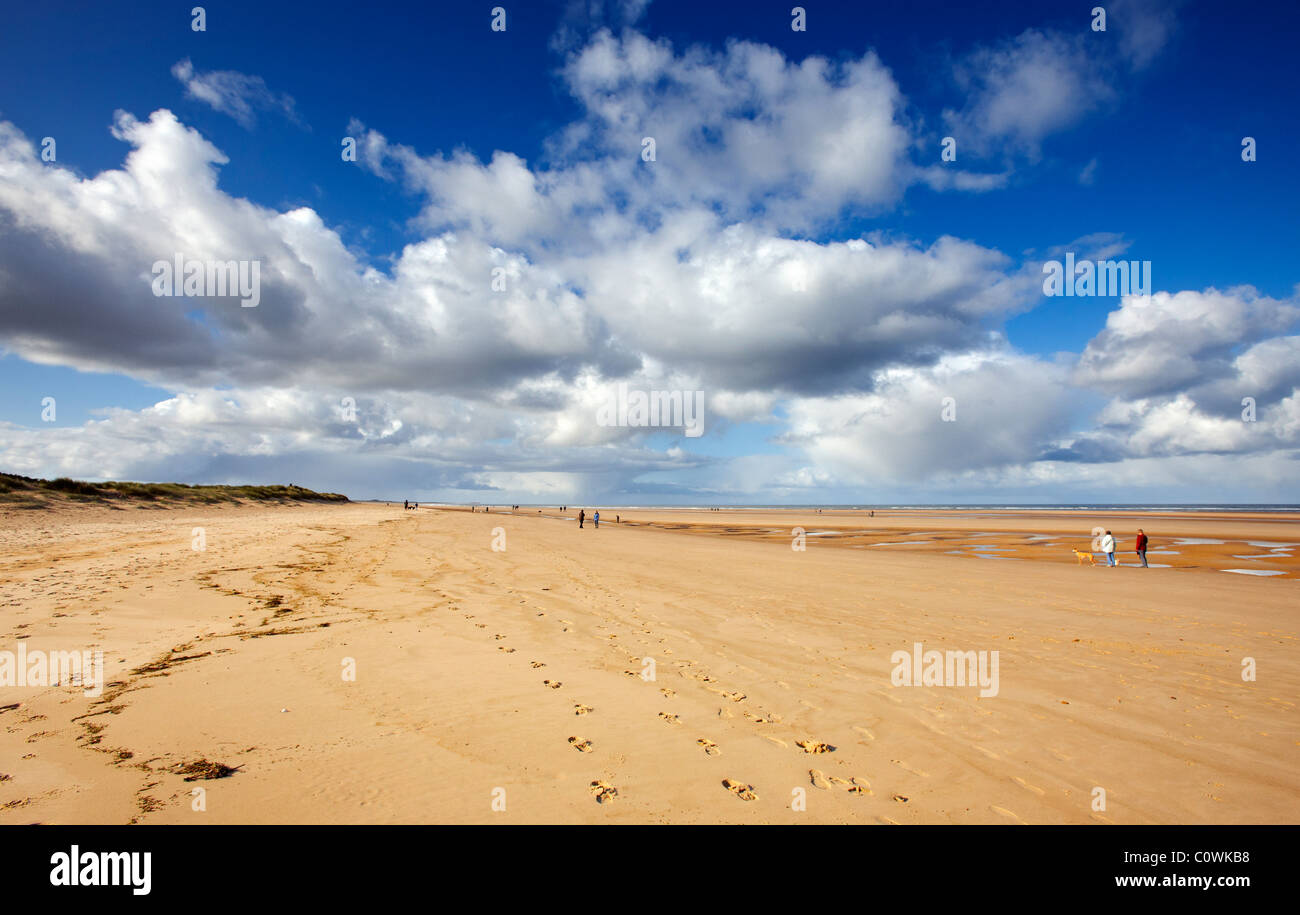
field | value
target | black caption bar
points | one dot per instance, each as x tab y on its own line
300	863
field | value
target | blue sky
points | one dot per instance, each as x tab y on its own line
815	152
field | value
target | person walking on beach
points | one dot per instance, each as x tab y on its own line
1108	547
1140	546
406	503
582	516
595	520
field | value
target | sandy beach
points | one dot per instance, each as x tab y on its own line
364	664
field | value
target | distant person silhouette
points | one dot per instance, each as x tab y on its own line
582	516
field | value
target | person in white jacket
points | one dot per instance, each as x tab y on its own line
1108	547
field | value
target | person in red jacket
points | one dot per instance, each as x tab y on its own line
1141	547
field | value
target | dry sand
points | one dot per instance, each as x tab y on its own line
515	675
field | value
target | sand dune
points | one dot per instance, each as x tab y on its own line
640	674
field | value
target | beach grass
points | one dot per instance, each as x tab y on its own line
27	492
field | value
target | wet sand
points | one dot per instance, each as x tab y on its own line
1257	543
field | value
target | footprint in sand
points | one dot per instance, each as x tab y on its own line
740	790
553	684
726	694
905	766
582	746
818	778
581	709
814	746
852	785
726	713
632	673
668	693
603	792
1009	814
481	625
901	798
506	649
537	664
1028	787
498	636
671	719
710	748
